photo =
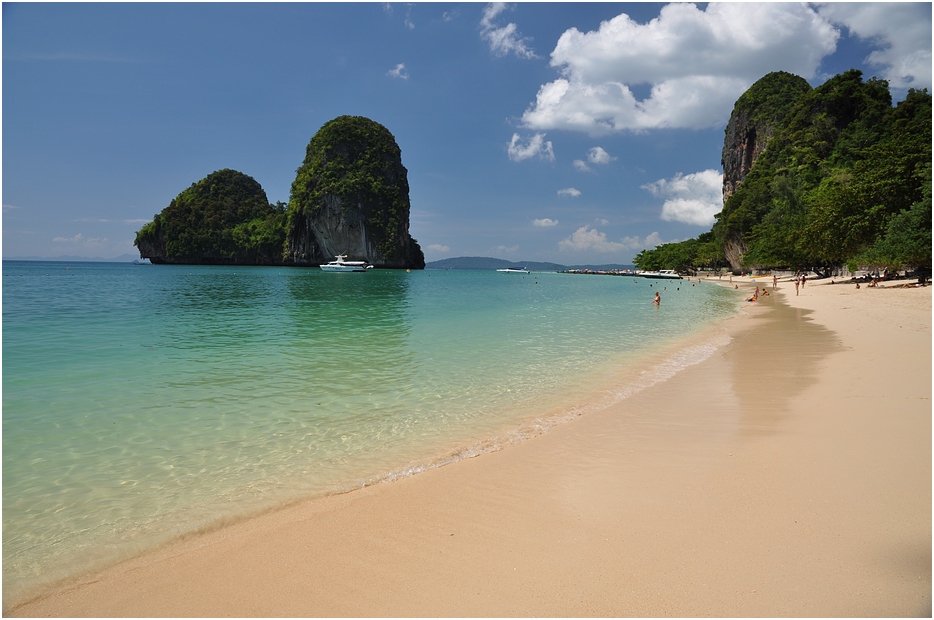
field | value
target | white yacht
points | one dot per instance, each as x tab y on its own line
340	264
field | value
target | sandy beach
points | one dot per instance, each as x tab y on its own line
787	475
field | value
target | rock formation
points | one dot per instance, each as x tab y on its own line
223	219
351	196
756	114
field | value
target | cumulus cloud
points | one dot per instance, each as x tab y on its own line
573	192
901	30
535	146
399	72
587	239
690	198
590	239
544	223
437	247
597	155
506	39
696	61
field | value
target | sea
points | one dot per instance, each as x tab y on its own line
144	403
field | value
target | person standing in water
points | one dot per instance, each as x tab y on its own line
658	299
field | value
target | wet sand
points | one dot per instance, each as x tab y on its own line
787	475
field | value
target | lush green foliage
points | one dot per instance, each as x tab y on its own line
845	179
223	218
358	161
685	256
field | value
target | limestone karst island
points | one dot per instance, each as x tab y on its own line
350	196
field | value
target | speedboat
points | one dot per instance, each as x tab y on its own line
513	270
664	274
340	264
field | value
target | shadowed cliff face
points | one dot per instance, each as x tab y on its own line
351	196
743	143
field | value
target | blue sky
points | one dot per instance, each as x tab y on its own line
564	132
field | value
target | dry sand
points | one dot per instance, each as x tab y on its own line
787	475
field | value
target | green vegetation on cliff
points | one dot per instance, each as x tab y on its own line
224	218
844	180
354	163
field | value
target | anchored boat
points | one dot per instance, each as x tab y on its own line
341	264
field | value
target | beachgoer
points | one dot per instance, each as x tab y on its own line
797	284
857	285
774	282
804	279
658	299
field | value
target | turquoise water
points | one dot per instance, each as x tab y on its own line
141	403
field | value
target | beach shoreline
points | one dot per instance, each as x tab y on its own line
787	474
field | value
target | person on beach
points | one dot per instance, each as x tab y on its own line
797	284
774	282
658	299
804	279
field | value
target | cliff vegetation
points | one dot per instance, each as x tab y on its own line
351	196
819	178
223	219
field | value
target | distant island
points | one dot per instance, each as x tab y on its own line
350	196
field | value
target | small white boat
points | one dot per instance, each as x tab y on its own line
142	261
513	270
340	264
664	274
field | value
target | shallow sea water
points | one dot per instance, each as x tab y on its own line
141	403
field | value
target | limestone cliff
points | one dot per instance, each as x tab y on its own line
351	196
756	114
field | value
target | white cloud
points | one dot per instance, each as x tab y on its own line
690	198
587	239
601	222
437	247
536	146
901	30
544	223
590	239
581	165
399	72
698	62
597	155
506	39
569	191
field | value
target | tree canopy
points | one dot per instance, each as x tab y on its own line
845	179
224	218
